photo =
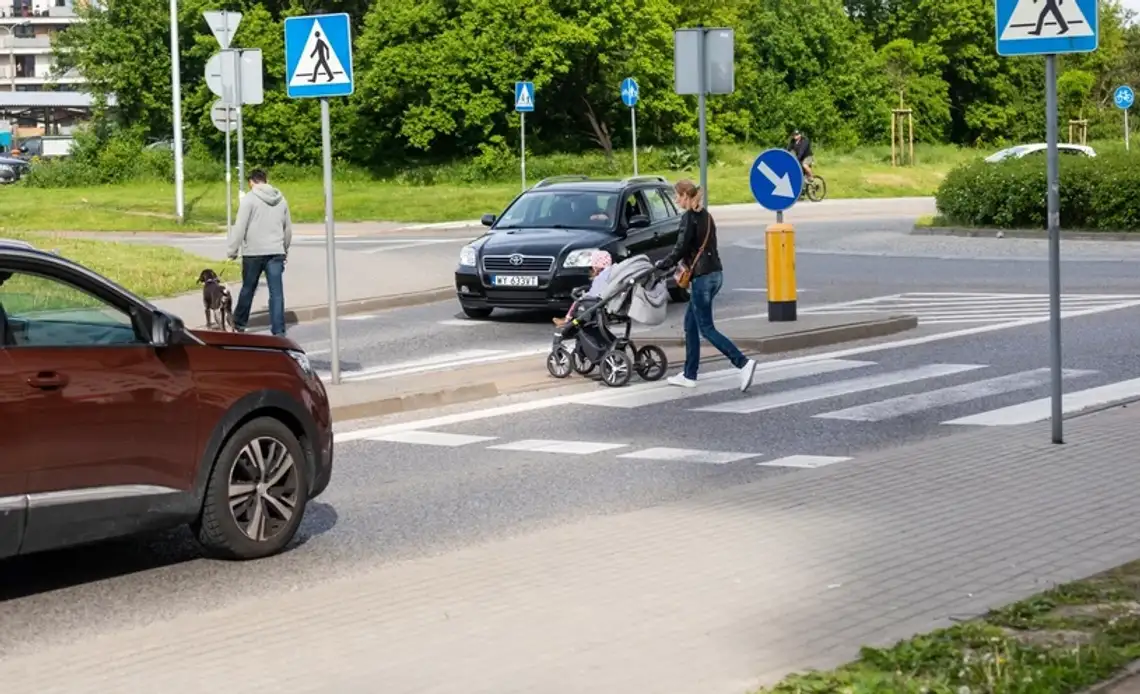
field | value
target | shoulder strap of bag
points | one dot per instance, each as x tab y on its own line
705	243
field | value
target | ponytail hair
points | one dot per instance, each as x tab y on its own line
687	188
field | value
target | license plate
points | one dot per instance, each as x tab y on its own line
515	280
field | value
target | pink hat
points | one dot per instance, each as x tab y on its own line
601	260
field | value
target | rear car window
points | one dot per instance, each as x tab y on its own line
561	208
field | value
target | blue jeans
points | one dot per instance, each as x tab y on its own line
699	323
252	267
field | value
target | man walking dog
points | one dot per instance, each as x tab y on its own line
262	232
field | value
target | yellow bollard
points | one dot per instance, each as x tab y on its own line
780	241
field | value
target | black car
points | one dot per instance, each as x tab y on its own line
12	168
539	250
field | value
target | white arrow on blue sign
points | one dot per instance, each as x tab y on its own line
1124	97
776	179
1039	27
524	96
629	92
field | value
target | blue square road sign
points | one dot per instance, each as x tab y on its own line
524	96
318	56
1041	27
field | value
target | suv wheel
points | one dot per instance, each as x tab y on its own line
475	312
256	494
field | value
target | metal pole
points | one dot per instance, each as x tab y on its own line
522	147
1054	228
240	139
1126	148
633	127
330	238
701	71
229	172
176	106
780	217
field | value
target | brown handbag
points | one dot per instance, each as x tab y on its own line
684	275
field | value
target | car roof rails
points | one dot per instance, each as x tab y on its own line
559	179
639	179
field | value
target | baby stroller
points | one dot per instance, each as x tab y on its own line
636	293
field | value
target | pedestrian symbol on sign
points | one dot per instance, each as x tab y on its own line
318	59
1053	18
524	101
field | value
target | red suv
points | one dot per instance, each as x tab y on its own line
115	419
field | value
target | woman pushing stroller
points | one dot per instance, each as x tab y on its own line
600	263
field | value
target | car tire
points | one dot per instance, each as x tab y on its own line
476	312
678	295
252	505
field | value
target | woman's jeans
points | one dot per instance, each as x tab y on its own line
699	323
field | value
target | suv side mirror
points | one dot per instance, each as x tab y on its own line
488	219
164	329
638	221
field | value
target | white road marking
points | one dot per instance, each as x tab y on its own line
804	461
764	290
393	245
970	307
437	363
553	446
432	438
464	322
953	395
1039	410
641	395
770	401
359	317
560	400
685	455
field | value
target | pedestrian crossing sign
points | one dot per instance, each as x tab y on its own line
318	56
1041	27
524	96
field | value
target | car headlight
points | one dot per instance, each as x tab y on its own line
467	256
302	360
579	258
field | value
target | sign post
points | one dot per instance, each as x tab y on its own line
1124	97
524	104
776	180
176	108
629	97
318	65
703	63
1026	27
222	115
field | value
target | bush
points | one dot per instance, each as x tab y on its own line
1097	194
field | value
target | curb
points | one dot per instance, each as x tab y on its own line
1131	670
260	319
1123	236
455	395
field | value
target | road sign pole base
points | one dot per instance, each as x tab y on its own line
782	311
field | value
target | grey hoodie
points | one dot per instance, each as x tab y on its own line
263	225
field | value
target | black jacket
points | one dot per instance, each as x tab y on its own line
694	226
801	149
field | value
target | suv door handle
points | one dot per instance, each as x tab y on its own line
48	380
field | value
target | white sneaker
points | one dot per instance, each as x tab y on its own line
746	373
680	380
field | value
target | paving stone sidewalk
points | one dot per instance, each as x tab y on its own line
709	596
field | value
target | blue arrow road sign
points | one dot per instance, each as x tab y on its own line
1124	97
524	96
318	56
776	179
1038	27
629	92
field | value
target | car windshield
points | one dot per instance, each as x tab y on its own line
561	209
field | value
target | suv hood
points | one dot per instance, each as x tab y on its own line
553	242
220	339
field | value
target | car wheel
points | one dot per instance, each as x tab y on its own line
256	494
678	295
475	312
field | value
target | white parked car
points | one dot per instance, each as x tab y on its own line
1039	148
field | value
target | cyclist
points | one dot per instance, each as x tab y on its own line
801	147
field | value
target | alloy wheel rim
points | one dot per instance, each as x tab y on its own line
263	488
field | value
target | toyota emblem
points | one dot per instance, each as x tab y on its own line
516	259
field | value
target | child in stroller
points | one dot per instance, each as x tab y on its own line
633	291
600	263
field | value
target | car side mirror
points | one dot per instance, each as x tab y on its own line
638	221
488	219
164	329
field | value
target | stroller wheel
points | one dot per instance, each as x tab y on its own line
616	370
651	363
558	363
581	364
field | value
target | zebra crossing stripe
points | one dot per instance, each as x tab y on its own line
804	461
685	455
1039	410
431	438
823	391
953	395
553	446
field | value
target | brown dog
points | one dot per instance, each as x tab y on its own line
216	300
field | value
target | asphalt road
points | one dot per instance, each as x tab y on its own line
436	485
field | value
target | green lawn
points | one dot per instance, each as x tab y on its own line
863	173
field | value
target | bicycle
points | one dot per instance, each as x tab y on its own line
814	188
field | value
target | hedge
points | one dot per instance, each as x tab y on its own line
1097	193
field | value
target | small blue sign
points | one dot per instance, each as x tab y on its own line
524	96
1039	27
776	179
629	92
318	56
1123	97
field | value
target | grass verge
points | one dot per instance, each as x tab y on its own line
148	206
1057	642
149	271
